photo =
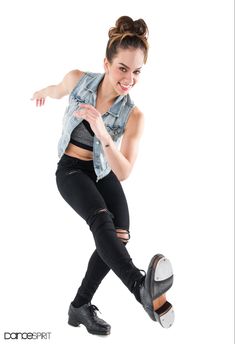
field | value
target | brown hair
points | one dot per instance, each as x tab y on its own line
127	33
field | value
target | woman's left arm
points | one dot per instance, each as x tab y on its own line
120	161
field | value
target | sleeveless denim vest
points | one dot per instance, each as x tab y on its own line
115	119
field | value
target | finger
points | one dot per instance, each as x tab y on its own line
82	113
79	113
89	117
83	105
90	108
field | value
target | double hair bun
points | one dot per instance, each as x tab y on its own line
126	25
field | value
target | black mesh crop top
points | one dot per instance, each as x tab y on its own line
82	136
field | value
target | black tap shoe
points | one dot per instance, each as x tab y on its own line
158	280
87	316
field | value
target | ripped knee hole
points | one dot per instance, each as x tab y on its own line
123	235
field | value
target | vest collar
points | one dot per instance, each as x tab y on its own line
116	108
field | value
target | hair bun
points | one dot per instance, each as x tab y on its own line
125	25
140	27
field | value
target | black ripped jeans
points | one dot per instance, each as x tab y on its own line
104	207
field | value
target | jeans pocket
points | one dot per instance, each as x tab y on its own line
70	172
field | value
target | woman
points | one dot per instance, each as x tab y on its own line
99	114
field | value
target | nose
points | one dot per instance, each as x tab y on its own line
129	78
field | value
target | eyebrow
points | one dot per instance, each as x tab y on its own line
127	66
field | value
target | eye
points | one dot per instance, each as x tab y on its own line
123	69
137	72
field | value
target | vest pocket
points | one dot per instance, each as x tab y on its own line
75	101
115	131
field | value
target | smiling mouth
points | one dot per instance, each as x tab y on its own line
125	87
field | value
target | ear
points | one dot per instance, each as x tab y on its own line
106	65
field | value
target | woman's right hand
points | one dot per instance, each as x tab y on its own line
58	91
40	97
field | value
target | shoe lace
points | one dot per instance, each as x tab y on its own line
143	272
141	280
93	309
143	277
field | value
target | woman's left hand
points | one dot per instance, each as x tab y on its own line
91	115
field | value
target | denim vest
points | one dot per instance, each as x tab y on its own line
115	119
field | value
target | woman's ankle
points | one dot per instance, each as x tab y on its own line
78	302
136	288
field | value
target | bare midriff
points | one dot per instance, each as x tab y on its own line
77	152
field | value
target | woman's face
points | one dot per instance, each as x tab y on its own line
124	70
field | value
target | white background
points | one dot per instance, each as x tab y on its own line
180	193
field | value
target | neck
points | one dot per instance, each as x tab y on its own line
105	92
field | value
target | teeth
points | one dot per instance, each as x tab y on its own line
125	86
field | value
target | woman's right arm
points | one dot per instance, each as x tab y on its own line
58	91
